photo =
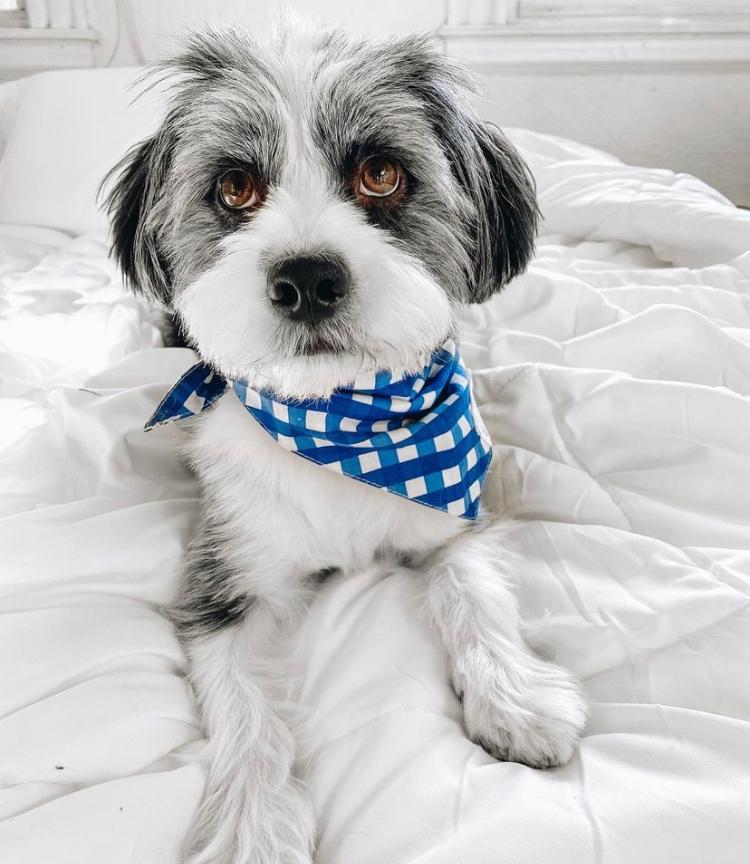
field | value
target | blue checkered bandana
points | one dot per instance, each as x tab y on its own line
419	436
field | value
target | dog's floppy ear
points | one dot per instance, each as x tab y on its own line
504	196
502	227
131	204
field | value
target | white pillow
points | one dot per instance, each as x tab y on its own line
69	128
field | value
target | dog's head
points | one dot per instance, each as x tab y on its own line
317	208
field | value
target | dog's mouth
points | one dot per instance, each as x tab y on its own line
319	345
319	340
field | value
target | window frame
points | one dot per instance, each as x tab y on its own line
14	17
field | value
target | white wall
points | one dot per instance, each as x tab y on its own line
696	121
155	24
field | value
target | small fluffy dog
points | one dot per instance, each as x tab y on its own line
311	211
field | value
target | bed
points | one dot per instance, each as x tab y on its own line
614	378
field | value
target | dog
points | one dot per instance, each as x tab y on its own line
314	211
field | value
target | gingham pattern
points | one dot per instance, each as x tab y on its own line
418	436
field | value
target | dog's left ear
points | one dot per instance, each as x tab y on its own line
502	190
502	222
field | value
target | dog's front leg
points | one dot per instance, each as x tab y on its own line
516	706
254	811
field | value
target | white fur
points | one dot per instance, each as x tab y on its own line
517	706
254	810
308	517
399	312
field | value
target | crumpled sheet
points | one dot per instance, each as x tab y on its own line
614	379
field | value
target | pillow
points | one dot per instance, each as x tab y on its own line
68	129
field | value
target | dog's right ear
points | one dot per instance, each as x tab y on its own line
133	205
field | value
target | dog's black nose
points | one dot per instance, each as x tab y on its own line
308	288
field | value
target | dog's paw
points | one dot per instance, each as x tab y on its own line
276	828
535	716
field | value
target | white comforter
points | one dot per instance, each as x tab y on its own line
614	378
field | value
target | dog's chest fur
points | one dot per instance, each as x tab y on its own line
286	517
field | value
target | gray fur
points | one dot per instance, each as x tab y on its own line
209	598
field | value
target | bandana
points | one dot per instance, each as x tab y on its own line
419	436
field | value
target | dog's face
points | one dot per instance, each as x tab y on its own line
317	209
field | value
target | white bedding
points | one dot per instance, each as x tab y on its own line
615	383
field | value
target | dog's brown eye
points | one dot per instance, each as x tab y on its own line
379	178
238	190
